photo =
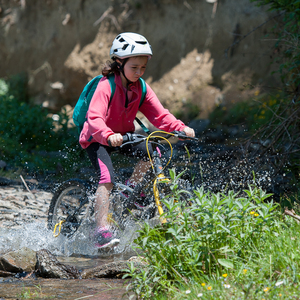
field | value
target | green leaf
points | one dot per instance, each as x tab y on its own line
226	229
172	231
225	263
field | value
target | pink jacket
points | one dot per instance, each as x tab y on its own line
103	121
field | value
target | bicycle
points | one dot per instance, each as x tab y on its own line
72	202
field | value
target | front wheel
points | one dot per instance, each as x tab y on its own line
68	208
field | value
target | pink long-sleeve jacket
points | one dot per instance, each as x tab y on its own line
103	121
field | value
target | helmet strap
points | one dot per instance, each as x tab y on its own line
121	69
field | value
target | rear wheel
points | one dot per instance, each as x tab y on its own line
69	207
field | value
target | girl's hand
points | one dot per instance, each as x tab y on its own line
189	131
115	140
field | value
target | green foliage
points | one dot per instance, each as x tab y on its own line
28	133
3	87
215	234
29	294
17	86
253	113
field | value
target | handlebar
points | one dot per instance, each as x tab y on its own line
135	138
181	135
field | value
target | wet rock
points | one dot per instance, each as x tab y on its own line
6	274
48	266
22	260
112	270
27	263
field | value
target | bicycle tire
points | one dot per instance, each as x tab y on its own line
68	197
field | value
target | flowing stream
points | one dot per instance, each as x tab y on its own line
36	237
78	251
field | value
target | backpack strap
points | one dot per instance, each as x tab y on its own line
111	79
144	92
93	85
142	125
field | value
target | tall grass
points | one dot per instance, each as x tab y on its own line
220	246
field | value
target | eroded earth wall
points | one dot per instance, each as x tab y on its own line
61	44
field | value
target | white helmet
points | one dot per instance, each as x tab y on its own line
130	44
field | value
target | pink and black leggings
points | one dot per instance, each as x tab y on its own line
100	156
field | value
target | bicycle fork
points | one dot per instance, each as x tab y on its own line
160	177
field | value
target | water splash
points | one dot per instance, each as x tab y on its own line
36	236
31	235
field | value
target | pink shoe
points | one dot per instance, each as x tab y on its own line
105	238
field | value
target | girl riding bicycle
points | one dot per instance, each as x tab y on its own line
108	120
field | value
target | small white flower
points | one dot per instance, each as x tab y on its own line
188	292
199	295
226	286
278	283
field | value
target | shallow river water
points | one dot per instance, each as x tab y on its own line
79	252
75	289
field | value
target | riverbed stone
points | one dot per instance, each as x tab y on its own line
110	270
113	269
22	260
49	267
6	274
18	206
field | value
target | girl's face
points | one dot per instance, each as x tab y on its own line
135	67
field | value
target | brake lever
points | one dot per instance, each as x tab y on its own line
137	140
182	135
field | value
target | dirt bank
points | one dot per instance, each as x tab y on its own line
61	44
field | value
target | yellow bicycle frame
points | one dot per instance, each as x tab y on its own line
161	177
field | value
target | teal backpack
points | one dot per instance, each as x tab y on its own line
82	105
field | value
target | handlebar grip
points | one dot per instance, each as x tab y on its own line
177	132
126	138
182	135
